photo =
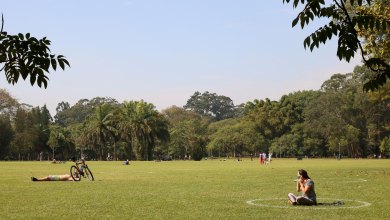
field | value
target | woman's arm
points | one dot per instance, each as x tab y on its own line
298	188
306	187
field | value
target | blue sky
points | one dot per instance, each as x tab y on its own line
162	51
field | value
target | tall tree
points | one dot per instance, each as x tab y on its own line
188	133
60	142
8	104
141	126
236	138
98	126
6	135
217	107
78	113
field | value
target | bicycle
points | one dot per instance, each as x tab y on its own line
76	172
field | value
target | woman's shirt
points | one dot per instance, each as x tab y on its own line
311	194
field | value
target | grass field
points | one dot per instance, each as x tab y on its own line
210	189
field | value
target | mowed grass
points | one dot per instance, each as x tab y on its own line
211	189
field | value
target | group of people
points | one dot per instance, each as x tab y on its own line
263	159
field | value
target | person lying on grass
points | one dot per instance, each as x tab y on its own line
64	177
306	185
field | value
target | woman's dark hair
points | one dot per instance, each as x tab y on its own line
303	173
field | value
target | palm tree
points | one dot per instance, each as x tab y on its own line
98	127
140	125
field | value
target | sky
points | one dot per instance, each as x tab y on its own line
162	51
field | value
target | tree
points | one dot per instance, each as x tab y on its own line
187	133
236	139
211	105
377	41
98	127
141	126
25	135
6	135
60	118
346	23
78	113
26	56
61	139
8	104
385	147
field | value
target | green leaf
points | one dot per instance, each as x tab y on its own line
32	78
302	18
61	63
54	64
21	37
67	63
295	4
295	21
306	42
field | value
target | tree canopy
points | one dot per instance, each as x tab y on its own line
351	20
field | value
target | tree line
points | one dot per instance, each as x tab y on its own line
337	119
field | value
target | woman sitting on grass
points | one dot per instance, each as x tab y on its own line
64	177
306	185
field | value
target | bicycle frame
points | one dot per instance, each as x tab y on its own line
77	172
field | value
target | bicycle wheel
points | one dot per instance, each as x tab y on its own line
74	172
88	172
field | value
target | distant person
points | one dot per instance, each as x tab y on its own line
64	177
269	157
306	185
126	162
261	158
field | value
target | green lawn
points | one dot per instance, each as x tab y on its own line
211	189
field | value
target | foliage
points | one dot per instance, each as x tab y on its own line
8	104
6	136
60	139
97	128
338	118
217	107
236	139
376	41
67	115
385	147
141	126
187	133
346	23
25	56
31	132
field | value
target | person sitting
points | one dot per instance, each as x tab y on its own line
64	177
306	185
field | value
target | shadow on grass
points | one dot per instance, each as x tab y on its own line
336	203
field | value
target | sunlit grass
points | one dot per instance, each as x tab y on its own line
211	189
